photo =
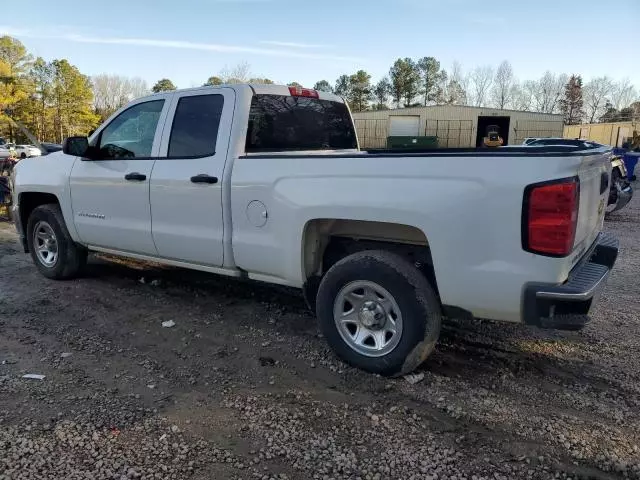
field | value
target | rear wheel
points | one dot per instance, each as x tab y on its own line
53	251
378	312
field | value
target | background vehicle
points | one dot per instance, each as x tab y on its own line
51	147
6	152
558	141
282	194
24	151
620	191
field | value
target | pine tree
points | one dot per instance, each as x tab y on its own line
343	86
405	81
323	86
15	55
14	62
163	85
72	101
571	105
381	92
360	91
432	78
212	81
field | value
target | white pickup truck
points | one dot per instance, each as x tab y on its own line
267	183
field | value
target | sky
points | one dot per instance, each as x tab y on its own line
188	41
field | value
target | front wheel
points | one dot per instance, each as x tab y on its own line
378	312
53	251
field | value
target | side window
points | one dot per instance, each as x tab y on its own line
195	126
130	134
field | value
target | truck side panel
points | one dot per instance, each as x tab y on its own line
469	208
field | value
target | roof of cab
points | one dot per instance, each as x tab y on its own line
259	89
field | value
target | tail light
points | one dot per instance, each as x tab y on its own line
297	91
550	217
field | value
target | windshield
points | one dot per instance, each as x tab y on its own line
282	122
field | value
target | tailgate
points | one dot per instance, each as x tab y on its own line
595	176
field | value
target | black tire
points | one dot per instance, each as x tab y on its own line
23	155
415	297
71	258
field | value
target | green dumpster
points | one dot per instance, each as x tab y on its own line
408	143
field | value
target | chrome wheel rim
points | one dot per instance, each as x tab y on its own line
45	244
368	318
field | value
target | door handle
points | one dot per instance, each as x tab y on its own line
204	178
135	176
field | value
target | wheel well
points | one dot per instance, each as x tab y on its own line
617	169
326	241
28	201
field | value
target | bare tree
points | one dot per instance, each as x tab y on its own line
558	92
548	91
503	85
457	73
111	92
241	73
522	95
462	80
623	94
596	95
480	80
139	87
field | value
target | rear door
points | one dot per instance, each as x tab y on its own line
186	183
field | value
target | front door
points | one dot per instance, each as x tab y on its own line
186	183
110	191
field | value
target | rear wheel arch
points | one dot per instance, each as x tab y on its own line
326	241
378	312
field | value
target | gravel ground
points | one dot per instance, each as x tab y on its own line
243	385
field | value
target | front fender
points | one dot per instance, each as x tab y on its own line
48	174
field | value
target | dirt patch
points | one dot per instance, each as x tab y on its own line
243	386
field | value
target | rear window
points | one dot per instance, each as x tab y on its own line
281	122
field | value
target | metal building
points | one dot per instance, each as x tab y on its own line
453	125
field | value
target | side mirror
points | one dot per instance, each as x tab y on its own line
76	146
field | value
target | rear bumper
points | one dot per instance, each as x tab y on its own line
566	306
